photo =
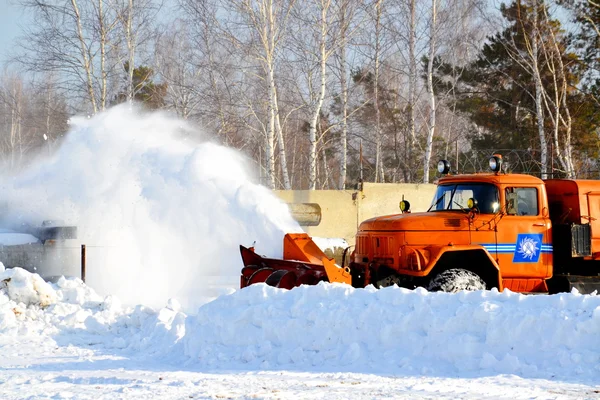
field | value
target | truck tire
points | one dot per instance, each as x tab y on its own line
456	279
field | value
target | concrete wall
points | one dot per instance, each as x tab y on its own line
343	210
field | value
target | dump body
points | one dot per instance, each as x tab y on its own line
576	202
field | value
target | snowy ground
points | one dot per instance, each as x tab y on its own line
162	212
64	341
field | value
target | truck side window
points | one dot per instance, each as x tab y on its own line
521	201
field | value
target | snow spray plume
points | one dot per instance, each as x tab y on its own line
161	217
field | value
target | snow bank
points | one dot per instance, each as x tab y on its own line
323	328
161	208
393	330
71	313
26	288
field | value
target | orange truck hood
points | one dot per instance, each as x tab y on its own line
424	221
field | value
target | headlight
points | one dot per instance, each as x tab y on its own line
443	167
496	163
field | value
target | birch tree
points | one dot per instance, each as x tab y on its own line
71	40
430	91
13	98
175	58
379	173
346	14
557	103
341	55
28	113
412	89
321	23
265	23
533	43
136	20
314	45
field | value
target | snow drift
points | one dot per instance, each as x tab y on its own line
394	330
324	328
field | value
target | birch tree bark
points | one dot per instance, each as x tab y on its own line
88	66
73	41
412	89
430	91
344	100
346	11
266	20
379	174
137	20
558	107
539	107
317	103
104	29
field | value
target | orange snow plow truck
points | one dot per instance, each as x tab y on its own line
482	231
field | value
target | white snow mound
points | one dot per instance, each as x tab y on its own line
393	330
326	327
23	287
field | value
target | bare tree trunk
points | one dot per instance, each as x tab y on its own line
553	106
270	143
412	88
379	176
87	64
430	91
268	22
131	46
566	121
326	171
343	99
312	133
538	91
281	144
103	39
14	122
344	122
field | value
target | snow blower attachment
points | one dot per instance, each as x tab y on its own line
304	263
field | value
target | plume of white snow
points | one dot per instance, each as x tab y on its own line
161	210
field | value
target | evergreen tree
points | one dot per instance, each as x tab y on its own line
146	91
498	89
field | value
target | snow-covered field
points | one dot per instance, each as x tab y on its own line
328	341
162	212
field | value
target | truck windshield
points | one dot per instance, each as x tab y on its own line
456	197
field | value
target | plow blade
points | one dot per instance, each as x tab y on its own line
304	263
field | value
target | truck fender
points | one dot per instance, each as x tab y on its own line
474	258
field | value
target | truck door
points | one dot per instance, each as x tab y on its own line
523	241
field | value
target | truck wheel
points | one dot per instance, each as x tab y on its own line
456	279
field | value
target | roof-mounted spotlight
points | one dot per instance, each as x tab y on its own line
405	206
496	163
443	167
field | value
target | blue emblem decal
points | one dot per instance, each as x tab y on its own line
528	248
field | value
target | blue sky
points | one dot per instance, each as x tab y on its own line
11	17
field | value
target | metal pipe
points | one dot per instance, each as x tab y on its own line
83	259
